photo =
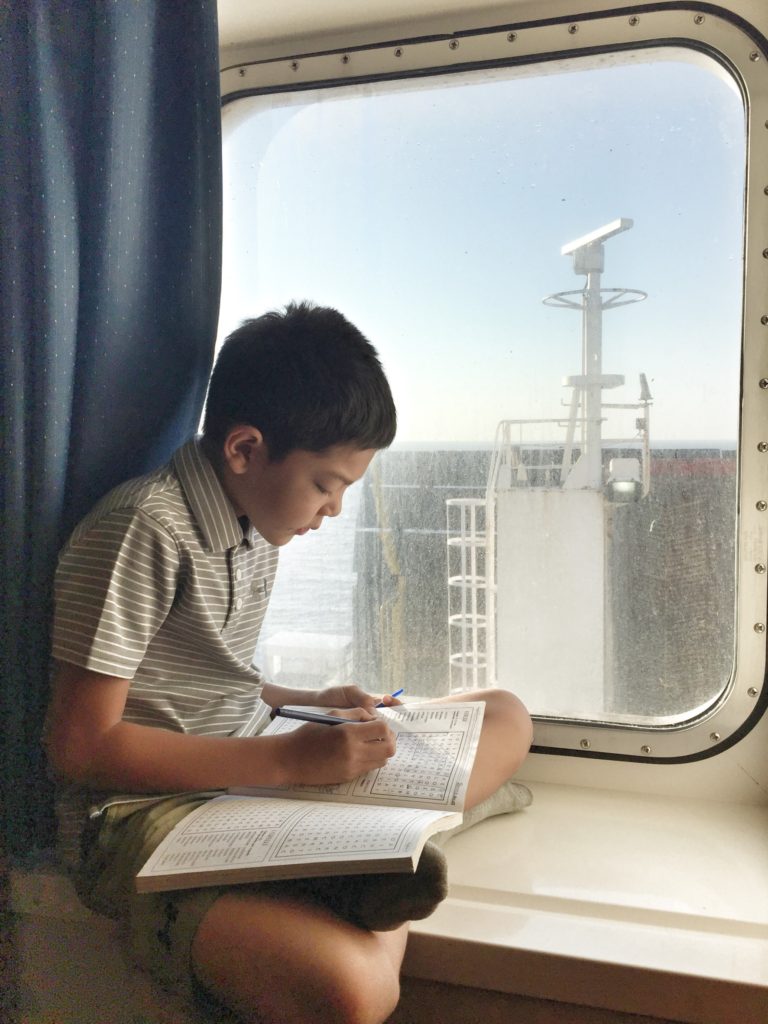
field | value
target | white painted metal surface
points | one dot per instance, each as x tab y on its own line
550	587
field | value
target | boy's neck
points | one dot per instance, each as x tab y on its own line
212	452
215	456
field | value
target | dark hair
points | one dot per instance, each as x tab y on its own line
306	378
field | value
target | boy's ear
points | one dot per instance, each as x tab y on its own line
244	446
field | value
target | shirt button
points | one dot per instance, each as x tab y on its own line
239	603
238	574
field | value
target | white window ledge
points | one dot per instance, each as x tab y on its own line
642	904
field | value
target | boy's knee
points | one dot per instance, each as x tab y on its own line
505	710
348	990
506	703
279	961
359	996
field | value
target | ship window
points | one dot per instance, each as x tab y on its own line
550	262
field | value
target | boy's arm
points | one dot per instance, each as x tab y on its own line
88	743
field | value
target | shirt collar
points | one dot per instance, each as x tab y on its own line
210	506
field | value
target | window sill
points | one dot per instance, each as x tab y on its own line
642	904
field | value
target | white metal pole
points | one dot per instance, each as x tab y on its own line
593	368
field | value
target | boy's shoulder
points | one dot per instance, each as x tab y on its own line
158	494
183	498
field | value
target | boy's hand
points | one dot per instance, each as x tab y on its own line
324	755
352	697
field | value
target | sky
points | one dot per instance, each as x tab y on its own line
433	216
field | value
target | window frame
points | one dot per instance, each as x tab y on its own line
745	57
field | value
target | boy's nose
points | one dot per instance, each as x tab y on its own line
332	507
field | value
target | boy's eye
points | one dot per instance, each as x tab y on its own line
322	490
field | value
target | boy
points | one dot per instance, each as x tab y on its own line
160	595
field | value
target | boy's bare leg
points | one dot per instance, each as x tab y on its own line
504	741
279	961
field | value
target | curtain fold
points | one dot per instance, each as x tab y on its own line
110	219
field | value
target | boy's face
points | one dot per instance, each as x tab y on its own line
286	499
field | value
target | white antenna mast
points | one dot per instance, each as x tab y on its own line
589	259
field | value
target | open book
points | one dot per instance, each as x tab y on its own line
378	822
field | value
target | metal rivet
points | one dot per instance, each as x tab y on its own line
761	505
764	319
294	65
398	52
512	37
345	59
764	383
760	568
752	691
573	29
765	254
645	749
585	744
634	20
759	627
754	55
762	446
699	19
454	44
714	736
765	190
241	72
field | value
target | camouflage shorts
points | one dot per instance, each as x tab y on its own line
161	926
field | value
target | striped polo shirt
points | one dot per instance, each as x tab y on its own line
162	585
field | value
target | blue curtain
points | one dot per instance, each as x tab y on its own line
110	219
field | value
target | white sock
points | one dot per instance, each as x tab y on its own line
508	798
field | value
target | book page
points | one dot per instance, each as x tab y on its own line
436	747
233	838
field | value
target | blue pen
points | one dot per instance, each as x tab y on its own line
397	693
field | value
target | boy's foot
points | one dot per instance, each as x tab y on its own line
509	797
383	902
